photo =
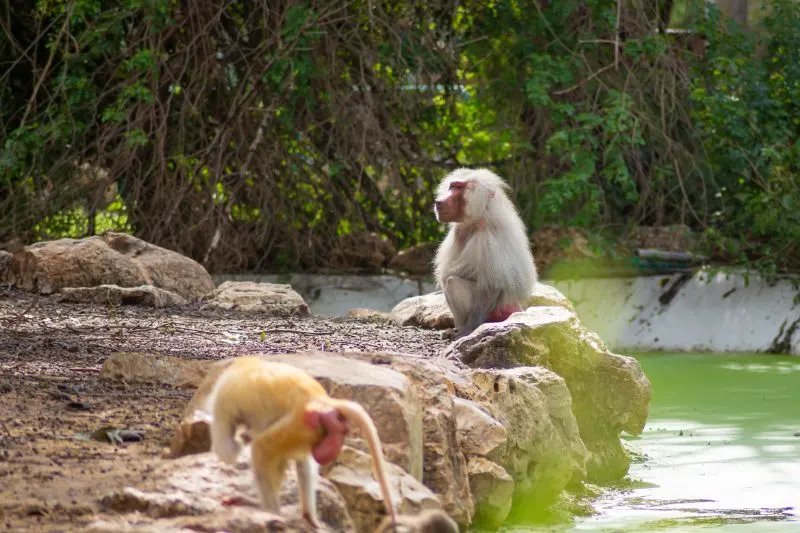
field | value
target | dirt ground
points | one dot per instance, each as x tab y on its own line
52	397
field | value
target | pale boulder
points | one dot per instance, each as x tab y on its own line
431	310
190	494
115	295
252	297
154	368
111	259
493	489
427	311
610	393
353	475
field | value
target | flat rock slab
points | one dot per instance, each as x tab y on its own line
192	493
609	392
431	310
143	367
116	295
261	298
111	259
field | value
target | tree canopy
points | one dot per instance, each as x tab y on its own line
253	135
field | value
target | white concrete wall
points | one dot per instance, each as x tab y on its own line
720	313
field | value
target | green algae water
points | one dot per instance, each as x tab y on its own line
721	447
720	452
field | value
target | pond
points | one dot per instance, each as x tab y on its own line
722	448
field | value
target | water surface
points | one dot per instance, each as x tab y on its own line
722	447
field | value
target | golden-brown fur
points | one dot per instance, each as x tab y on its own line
273	400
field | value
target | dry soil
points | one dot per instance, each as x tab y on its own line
52	398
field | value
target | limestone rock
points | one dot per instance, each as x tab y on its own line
445	466
114	259
544	451
394	396
116	295
417	260
547	296
369	315
493	490
189	494
154	368
157	505
193	432
252	297
552	243
353	476
431	310
389	397
240	520
427	311
486	347
131	525
610	393
478	432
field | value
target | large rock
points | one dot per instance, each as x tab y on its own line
132	367
427	311
542	450
252	297
493	489
479	434
116	295
431	310
610	393
390	398
193	433
114	259
353	475
194	494
362	252
445	465
409	399
474	438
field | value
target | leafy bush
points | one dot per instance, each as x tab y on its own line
745	96
255	135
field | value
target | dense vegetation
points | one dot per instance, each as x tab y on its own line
259	135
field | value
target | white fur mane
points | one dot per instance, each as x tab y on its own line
497	254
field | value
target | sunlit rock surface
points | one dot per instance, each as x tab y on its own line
116	295
113	258
609	392
252	297
496	427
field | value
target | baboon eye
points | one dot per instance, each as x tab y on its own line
457	185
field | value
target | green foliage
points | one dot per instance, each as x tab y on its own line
745	98
285	126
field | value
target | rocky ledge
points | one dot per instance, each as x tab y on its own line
497	426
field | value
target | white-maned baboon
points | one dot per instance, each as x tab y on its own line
484	265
